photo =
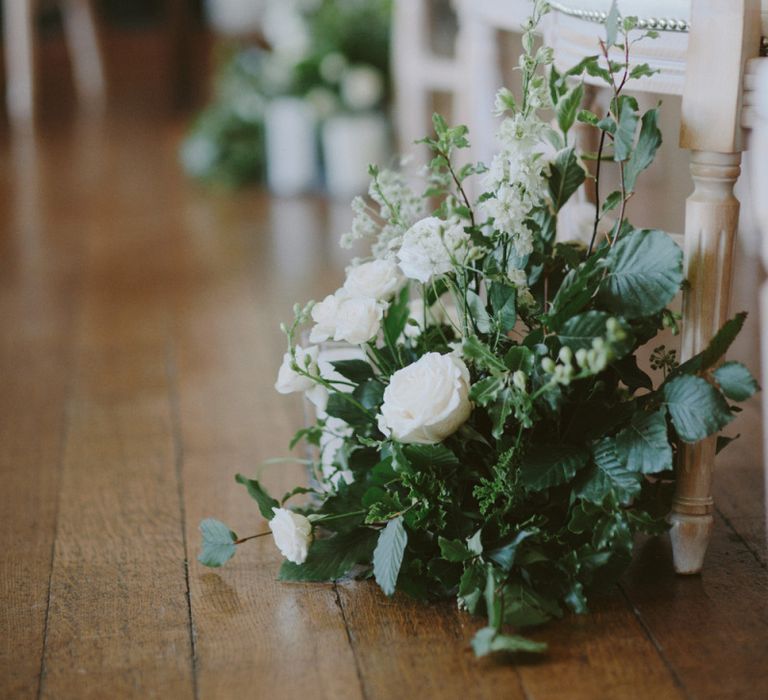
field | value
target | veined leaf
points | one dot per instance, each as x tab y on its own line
624	137
504	304
565	177
736	381
645	271
625	484
256	491
717	347
475	350
643	445
332	558
647	144
697	409
388	555
568	106
545	466
579	331
218	543
486	390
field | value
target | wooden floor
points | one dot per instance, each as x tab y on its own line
138	346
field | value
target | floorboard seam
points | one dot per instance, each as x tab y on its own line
358	670
741	538
655	642
178	449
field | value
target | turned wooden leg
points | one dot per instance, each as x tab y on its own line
712	214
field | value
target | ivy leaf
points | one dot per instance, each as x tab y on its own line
486	390
610	473
645	271
717	347
388	555
218	543
736	381
566	176
550	465
624	137
356	371
612	24
643	445
256	491
647	144
567	107
454	550
330	559
697	409
480	316
500	410
488	640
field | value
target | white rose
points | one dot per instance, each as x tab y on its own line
354	320
378	279
288	380
292	533
426	401
430	247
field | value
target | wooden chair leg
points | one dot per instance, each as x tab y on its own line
712	214
80	29
18	25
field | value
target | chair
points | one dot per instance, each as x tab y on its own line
19	40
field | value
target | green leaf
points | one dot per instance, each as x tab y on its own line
486	390
487	640
697	409
519	357
579	331
388	555
612	24
550	465
504	556
356	371
396	317
525	607
475	543
430	456
624	483
645	271
256	491
568	106
500	410
642	70
566	176
717	347
218	543
504	304
736	381
645	151
624	137
586	117
575	291
454	550
474	349
339	406
330	559
480	316
470	587
643	445
611	201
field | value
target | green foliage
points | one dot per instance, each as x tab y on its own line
332	558
218	543
736	381
697	409
256	491
388	555
566	176
643	444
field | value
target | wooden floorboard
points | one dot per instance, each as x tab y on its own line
140	344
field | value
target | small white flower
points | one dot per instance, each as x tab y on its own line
378	279
426	401
362	87
331	441
288	379
292	534
324	315
432	247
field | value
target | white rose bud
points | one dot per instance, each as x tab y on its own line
378	279
288	379
292	534
430	247
426	401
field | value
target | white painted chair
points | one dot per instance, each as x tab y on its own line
20	55
703	53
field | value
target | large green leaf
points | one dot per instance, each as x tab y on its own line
579	331
396	317
643	445
257	492
551	465
566	175
647	144
697	409
717	347
645	271
609	475
218	543
736	381
624	137
486	390
503	300
332	558
356	371
388	555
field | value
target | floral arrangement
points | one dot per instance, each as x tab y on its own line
335	53
490	433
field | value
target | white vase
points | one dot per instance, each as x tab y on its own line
234	17
352	142
291	146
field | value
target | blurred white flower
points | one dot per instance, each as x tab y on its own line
198	155
332	67
362	87
323	101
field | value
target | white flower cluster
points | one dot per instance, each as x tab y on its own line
433	247
516	179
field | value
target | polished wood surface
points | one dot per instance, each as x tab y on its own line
138	350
